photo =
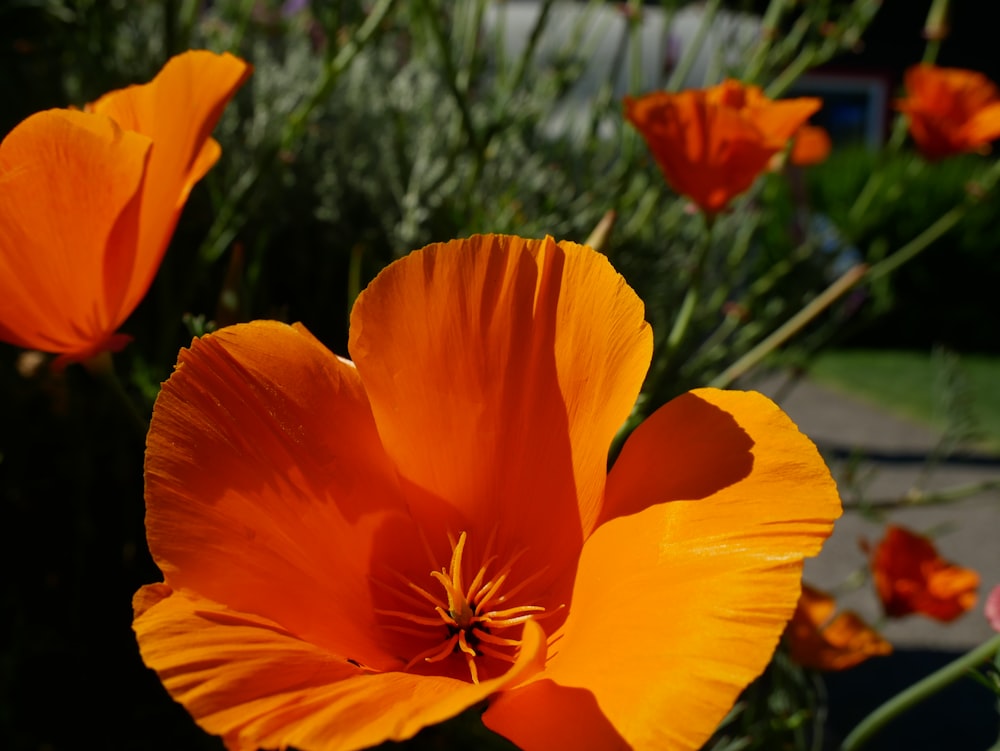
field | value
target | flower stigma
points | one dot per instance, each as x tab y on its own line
464	619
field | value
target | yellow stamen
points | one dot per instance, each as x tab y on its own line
465	619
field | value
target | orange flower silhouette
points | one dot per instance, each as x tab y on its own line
910	577
89	200
950	110
354	551
713	143
816	639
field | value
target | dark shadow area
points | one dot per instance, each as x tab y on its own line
962	716
961	458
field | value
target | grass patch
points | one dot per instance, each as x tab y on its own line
944	390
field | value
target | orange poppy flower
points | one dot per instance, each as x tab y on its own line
951	110
89	200
713	143
353	551
910	577
816	639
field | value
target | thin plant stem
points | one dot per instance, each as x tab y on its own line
680	73
919	692
222	231
791	327
918	244
768	32
451	80
102	368
683	320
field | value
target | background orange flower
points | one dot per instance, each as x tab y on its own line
329	531
713	143
89	200
910	577
951	110
817	639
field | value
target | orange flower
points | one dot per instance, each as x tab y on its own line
89	200
713	143
910	577
353	551
950	110
816	639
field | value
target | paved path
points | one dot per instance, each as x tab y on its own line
887	456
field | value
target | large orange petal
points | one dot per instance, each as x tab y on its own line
178	109
499	370
267	489
69	186
260	686
678	605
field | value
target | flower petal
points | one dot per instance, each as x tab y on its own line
820	641
679	604
911	577
499	370
260	686
267	489
178	109
69	187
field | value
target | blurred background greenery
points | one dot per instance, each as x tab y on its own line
372	128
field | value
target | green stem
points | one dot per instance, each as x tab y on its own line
451	79
333	69
102	368
225	224
919	692
768	32
919	243
694	46
683	320
791	327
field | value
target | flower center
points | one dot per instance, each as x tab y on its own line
465	619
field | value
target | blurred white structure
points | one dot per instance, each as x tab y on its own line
599	34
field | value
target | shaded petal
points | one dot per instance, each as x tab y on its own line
178	109
69	187
259	686
499	370
816	639
267	489
678	605
543	716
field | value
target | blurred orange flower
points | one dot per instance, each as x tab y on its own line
713	143
89	200
951	110
354	551
910	577
816	639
